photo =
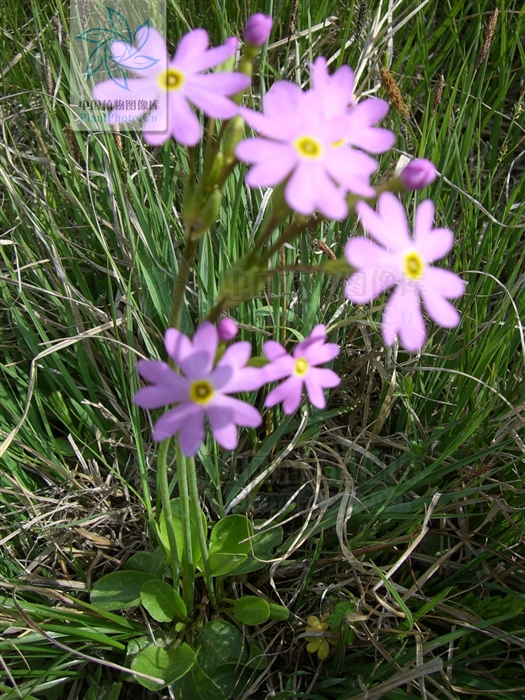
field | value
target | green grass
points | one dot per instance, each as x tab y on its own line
415	470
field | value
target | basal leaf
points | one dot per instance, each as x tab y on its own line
162	601
251	610
219	643
119	590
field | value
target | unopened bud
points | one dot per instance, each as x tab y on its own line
257	29
232	136
227	329
207	216
215	171
418	174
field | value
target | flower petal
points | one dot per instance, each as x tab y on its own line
211	101
178	345
302	188
236	355
157	132
440	310
138	89
190	49
340	91
289	392
331	200
389	226
188	419
271	127
403	318
282	101
315	381
442	282
222	426
169	387
191	434
362	253
199	363
241	412
213	57
378	271
184	125
153	48
351	168
319	353
273	161
272	349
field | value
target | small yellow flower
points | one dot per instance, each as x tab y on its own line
318	643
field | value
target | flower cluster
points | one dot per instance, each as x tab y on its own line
316	141
318	145
202	388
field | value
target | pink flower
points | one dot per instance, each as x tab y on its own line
257	29
419	173
201	390
309	140
227	329
174	85
403	261
301	369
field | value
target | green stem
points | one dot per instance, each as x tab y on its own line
188	569
163	487
217	310
196	510
179	287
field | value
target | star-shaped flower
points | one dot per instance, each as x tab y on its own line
311	139
201	390
406	262
301	368
175	85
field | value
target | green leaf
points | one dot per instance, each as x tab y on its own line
170	666
261	546
232	679
119	590
219	643
152	661
278	612
251	610
230	535
153	563
222	563
162	601
197	686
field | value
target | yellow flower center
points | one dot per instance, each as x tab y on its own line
308	147
301	367
171	79
201	391
414	266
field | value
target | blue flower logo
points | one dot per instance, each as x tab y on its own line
130	44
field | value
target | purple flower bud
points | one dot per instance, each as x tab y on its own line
257	29
227	329
418	174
